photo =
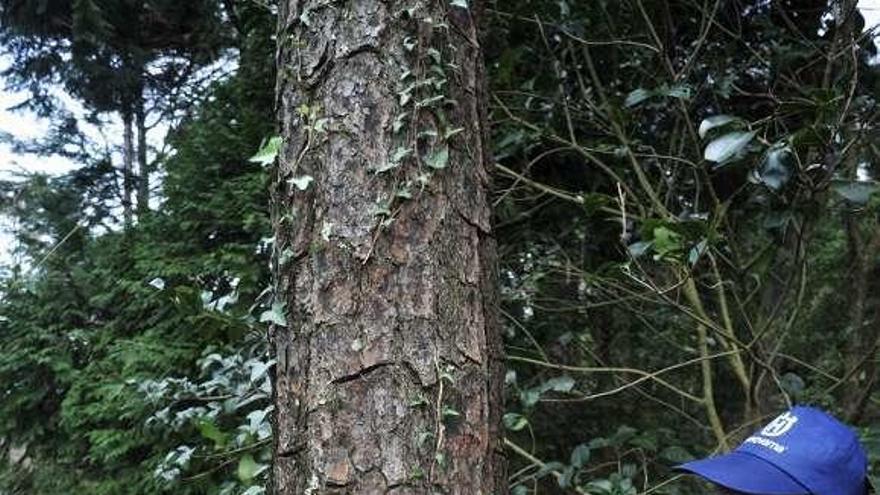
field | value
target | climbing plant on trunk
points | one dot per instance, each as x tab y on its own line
388	375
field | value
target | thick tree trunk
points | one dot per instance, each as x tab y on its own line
388	375
127	167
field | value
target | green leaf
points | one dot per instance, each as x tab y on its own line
559	384
638	249
459	3
210	431
636	96
680	91
676	454
623	434
696	252
514	421
400	153
452	132
858	192
666	241
389	165
275	315
793	384
423	437
567	475
580	456
399	122
530	397
775	171
302	182
449	412
599	443
267	154
439	159
248	468
715	121
728	146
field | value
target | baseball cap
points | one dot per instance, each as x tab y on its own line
803	451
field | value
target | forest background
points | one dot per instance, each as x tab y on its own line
686	213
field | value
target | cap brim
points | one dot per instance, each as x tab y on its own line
745	473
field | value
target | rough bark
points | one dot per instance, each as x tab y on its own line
388	374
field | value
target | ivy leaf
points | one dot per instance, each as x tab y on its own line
267	154
638	249
514	421
666	241
636	96
248	468
775	171
530	397
520	490
275	315
439	159
713	122
680	91
210	431
580	456
793	384
676	454
858	192
449	412
567	475
559	384
259	369
452	132
400	153
302	182
697	251
728	146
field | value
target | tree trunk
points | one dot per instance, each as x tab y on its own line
389	367
127	167
143	183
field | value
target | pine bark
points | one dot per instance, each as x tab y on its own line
389	367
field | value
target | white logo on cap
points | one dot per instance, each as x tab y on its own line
780	425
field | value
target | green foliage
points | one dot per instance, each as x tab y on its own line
133	362
676	186
679	181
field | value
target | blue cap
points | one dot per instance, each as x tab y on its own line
803	451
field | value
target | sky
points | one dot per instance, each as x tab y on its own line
871	11
24	125
27	126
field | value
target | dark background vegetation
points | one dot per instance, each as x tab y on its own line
685	212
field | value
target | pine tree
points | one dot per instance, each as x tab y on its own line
388	359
